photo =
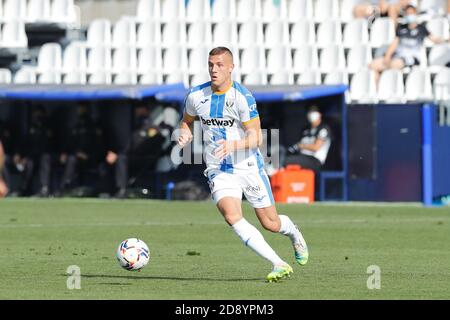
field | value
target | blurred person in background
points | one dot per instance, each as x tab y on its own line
381	8
3	186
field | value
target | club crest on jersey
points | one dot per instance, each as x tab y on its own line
229	104
218	122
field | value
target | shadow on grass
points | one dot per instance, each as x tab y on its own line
104	276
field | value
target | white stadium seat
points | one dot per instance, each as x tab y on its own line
279	59
438	27
336	77
14	10
382	32
198	60
198	10
441	84
75	77
173	33
299	10
359	57
328	33
363	86
355	33
124	59
305	58
273	10
432	7
331	58
252	60
151	78
38	11
250	34
225	34
199	78
172	10
124	33
148	10
346	10
63	11
99	59
125	78
391	87
50	57
199	33
148	33
25	75
325	10
276	34
223	9
282	78
149	60
100	77
439	56
418	85
174	60
14	35
99	33
50	77
303	33
5	76
75	57
256	78
177	77
248	9
309	77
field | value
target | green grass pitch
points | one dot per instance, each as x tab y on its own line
195	255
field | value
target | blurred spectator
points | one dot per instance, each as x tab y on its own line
3	186
405	49
381	8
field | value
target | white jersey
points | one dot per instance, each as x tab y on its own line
222	115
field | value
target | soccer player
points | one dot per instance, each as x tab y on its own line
232	134
3	187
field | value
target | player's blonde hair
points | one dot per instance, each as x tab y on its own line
220	50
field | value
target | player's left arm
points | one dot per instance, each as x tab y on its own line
253	139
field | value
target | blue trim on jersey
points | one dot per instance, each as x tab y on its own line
220	106
251	102
213	106
264	178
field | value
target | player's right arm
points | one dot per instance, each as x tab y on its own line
186	124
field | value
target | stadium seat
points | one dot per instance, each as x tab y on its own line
50	77
25	75
303	33
63	11
124	33
438	27
273	10
355	33
247	10
363	86
441	85
279	59
282	78
100	77
199	33
439	56
75	57
276	34
198	10
309	77
75	77
99	33
331	58
99	59
359	57
49	58
299	10
305	58
199	78
149	60
172	10
147	10
14	10
432	8
173	33
325	10
256	78
38	11
13	35
151	78
174	60
252	60
124	59
177	77
225	34
198	60
329	32
5	76
346	13
125	78
418	85
382	32
148	33
250	34
336	77
223	10
391	87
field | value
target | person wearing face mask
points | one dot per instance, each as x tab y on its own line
405	49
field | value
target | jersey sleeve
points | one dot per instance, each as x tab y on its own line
189	105
247	108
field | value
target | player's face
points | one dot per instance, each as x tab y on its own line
220	67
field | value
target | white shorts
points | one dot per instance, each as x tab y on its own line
254	185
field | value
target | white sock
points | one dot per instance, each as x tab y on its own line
255	240
288	229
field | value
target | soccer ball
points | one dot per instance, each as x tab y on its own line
133	254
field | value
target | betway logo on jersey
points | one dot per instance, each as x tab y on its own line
218	122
